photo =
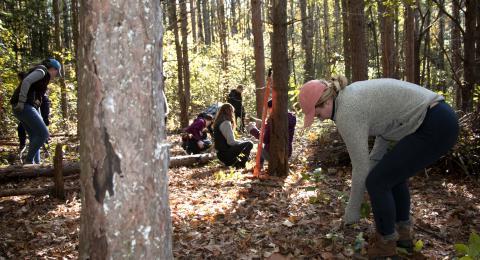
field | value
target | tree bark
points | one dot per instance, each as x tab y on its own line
372	25
387	38
59	189
193	19
206	22
469	62
123	152
456	46
307	43
66	25
409	43
58	48
74	9
233	18
201	36
358	41
326	39
346	41
278	164
258	48
222	33
185	62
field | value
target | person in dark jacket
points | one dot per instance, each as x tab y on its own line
27	99
196	140
253	130
229	151
45	113
235	99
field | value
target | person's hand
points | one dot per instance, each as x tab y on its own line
19	107
200	144
250	126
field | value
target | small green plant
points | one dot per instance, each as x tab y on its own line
228	175
470	251
365	210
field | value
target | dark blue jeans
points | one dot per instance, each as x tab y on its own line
387	182
36	129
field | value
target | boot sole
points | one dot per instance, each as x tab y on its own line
396	257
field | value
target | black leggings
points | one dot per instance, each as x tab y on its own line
387	182
236	155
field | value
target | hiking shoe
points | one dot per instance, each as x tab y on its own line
380	248
405	239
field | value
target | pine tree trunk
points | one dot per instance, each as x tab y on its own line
307	43
258	48
278	164
346	41
186	63
194	20
124	155
358	41
409	43
206	22
388	41
201	36
178	48
372	25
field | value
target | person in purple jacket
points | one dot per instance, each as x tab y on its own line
253	130
195	140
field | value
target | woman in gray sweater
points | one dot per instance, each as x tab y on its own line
423	126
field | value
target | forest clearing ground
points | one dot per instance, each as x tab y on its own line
218	213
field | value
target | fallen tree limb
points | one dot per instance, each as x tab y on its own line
71	168
33	191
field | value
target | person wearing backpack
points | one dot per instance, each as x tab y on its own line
27	99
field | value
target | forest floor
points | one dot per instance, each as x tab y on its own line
222	214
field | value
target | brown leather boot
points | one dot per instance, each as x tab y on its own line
405	239
379	248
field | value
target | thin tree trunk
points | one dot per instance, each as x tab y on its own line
178	48
186	62
206	22
58	48
291	34
456	46
124	154
398	50
258	48
469	54
409	43
233	19
426	53
326	38
337	37
346	40
307	40
213	19
376	50
222	34
66	25
358	41
193	20
74	9
278	165
388	41
201	36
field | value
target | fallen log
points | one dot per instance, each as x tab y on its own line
71	168
34	191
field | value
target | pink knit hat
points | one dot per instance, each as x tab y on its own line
309	95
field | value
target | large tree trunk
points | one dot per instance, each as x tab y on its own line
346	41
186	63
357	40
307	41
278	164
123	151
58	48
387	38
194	20
206	22
409	43
257	28
469	62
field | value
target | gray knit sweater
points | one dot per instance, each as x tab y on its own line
388	109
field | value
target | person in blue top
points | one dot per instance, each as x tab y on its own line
27	99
